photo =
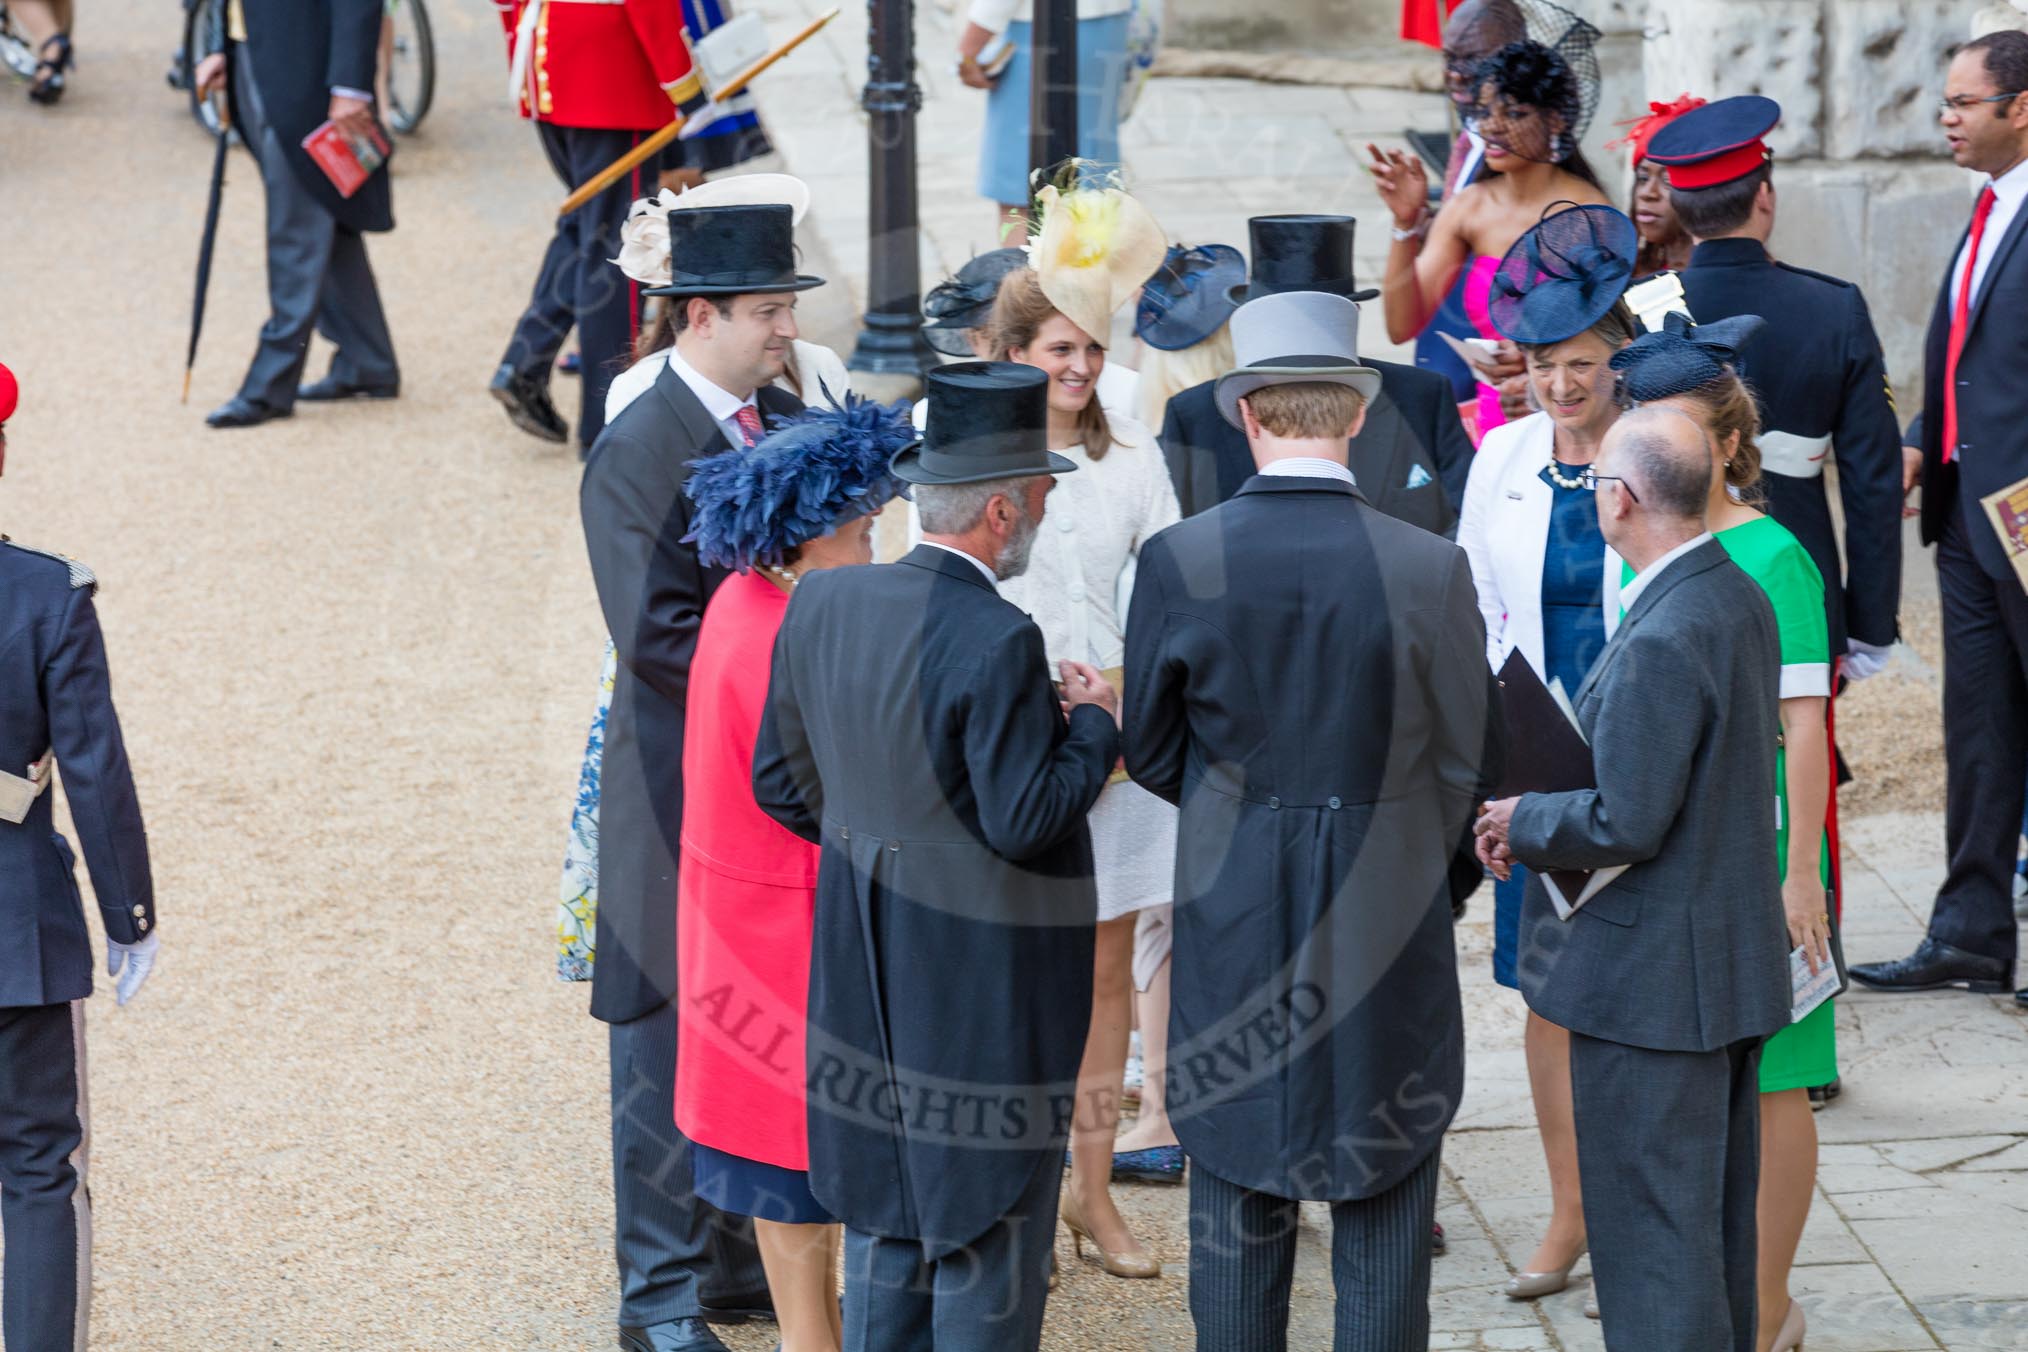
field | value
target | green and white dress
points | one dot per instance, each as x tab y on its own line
1806	1053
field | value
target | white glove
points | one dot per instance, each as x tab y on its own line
1865	659
138	959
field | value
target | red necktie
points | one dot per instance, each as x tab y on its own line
748	418
1961	311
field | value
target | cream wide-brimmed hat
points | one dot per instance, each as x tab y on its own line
1095	248
644	238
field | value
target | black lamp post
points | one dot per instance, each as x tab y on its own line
891	342
1052	119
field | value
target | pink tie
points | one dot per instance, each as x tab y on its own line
749	422
1961	311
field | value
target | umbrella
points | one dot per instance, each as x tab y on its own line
204	248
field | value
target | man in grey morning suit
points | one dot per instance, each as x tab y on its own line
1672	975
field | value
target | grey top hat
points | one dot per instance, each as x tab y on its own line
1291	338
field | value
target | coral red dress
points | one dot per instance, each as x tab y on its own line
748	890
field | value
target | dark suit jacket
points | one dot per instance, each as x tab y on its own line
54	693
1412	433
912	730
1992	399
652	590
1687	950
1306	678
301	49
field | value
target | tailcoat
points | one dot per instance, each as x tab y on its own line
652	590
1306	678
912	731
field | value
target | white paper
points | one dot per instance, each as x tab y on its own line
1807	992
1566	908
1475	352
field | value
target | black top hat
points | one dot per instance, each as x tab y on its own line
964	301
987	420
1301	253
732	251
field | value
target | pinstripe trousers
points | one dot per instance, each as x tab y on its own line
44	1207
1243	1260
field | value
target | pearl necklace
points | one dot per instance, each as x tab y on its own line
786	575
1559	480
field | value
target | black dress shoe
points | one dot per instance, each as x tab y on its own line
527	403
1934	965
240	412
750	1308
331	387
672	1335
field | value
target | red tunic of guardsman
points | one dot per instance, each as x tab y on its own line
617	64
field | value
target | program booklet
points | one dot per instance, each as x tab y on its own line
347	161
2008	511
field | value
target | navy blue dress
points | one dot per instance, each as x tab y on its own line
1573	633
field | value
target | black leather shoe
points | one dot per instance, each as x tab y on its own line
750	1308
331	387
527	404
239	412
1935	965
672	1335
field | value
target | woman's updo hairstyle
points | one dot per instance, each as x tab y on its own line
1728	407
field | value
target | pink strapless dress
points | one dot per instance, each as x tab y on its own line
1478	296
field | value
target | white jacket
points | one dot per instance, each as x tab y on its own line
995	15
1504	531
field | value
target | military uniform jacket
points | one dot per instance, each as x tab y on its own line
1410	460
652	590
1817	370
621	65
912	731
55	694
1306	679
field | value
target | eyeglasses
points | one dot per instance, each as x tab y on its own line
1964	103
1592	479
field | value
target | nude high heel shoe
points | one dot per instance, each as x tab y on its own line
1115	1264
1790	1339
1532	1285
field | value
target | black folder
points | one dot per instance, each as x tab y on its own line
1545	751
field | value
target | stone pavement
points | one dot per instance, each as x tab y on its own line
1916	1239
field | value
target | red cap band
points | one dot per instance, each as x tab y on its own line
1735	163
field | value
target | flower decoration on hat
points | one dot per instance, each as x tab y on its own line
1093	249
1564	274
1680	356
644	235
1641	130
823	466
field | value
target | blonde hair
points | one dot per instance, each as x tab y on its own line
1728	408
1164	375
1019	312
1306	408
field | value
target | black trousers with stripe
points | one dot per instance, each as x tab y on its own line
1243	1262
45	1289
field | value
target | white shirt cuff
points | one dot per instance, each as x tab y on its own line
347	92
1806	680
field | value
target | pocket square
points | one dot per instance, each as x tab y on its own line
1417	477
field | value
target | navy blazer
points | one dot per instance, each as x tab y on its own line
301	50
652	590
1992	399
1410	460
912	731
55	694
1306	679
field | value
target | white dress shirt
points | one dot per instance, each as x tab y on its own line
817	367
991	581
722	404
1632	591
1308	467
2009	189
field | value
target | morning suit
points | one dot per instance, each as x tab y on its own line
1306	680
1816	370
912	731
1671	976
1410	459
1985	612
55	696
652	590
295	53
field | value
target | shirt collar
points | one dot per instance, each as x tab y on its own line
2011	187
1308	467
984	571
720	403
1631	592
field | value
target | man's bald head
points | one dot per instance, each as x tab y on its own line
1665	458
1478	28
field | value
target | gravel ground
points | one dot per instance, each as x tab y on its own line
354	655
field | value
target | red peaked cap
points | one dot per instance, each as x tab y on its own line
1640	130
10	394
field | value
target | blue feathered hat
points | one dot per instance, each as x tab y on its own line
822	466
1680	356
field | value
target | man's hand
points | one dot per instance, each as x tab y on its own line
210	75
352	116
1911	475
1490	832
137	960
1083	684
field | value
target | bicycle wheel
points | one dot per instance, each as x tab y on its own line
412	69
203	34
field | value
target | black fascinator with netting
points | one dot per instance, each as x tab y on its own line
1534	98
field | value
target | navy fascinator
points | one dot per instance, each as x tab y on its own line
1563	275
1189	296
965	301
823	466
1680	356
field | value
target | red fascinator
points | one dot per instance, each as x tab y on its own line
1641	130
10	394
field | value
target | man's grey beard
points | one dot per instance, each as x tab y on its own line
1013	559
